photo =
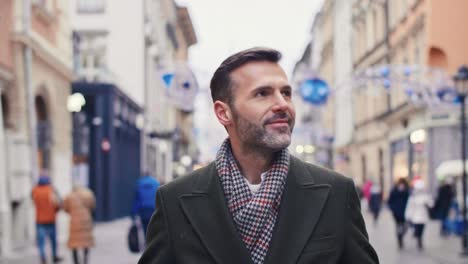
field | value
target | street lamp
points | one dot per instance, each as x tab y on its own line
461	84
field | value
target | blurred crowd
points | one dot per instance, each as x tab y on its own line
413	206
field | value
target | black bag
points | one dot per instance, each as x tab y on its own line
432	211
133	239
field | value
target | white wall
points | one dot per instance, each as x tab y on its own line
211	133
123	20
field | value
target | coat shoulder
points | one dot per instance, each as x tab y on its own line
189	182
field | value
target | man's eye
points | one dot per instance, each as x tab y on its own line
287	93
260	93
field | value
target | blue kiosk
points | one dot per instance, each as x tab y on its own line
106	147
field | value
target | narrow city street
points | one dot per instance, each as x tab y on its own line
111	245
437	250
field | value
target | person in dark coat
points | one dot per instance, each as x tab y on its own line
257	203
397	203
375	202
445	195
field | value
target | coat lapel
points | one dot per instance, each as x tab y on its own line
209	215
300	209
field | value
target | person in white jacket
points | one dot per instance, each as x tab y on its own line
417	210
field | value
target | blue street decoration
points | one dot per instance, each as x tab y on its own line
167	79
314	91
183	87
447	94
409	91
386	83
385	71
407	71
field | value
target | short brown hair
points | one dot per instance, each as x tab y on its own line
221	84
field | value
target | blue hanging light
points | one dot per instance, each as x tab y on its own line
384	71
314	91
407	71
386	84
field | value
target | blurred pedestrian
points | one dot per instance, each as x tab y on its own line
397	203
79	204
47	202
366	189
417	210
144	203
375	202
445	196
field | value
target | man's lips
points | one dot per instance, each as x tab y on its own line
278	123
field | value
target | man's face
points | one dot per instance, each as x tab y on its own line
262	110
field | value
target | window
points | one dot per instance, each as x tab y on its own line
375	21
84	60
417	55
97	61
91	6
46	7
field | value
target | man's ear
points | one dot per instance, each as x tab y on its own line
223	113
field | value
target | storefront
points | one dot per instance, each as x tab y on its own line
106	147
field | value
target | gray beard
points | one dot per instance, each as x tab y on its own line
258	139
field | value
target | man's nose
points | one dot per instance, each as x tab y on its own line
281	103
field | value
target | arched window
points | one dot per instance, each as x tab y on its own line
43	129
437	58
5	110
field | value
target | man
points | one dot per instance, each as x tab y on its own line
47	203
145	196
256	203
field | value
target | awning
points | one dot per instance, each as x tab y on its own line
450	168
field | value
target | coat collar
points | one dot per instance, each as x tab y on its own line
207	211
301	205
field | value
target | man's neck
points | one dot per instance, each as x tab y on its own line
252	162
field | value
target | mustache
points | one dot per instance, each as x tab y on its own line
279	116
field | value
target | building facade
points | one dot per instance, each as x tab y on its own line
391	131
328	57
158	33
421	137
396	122
36	63
106	147
170	33
369	148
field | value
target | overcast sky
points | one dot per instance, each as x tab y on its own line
227	26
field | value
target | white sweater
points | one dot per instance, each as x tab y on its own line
417	207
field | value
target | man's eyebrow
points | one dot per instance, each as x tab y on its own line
262	87
271	87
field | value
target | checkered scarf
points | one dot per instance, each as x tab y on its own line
254	214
